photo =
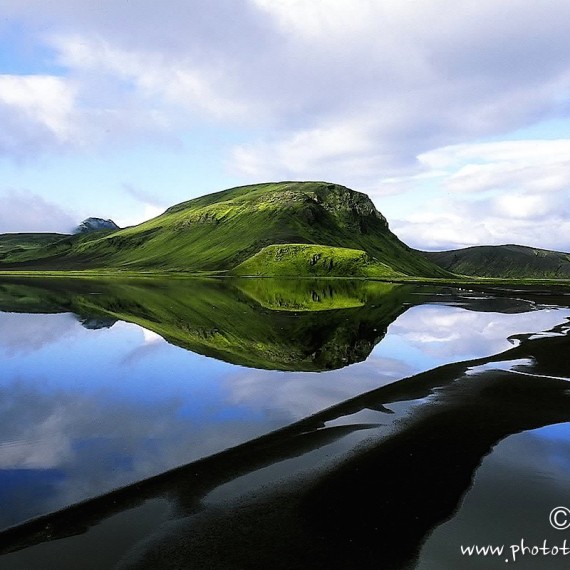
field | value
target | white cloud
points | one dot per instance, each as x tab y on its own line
44	446
461	225
494	193
27	333
157	77
322	20
298	70
502	151
298	395
343	152
524	206
150	337
37	112
379	95
48	100
412	85
537	165
24	211
143	214
149	205
456	332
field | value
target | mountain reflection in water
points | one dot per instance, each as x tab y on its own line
271	324
343	488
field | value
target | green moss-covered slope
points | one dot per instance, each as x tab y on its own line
219	231
302	260
508	261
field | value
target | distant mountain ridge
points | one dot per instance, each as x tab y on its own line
508	261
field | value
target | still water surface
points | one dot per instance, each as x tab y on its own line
410	421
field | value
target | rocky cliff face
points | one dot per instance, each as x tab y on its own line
95	225
324	203
340	199
348	206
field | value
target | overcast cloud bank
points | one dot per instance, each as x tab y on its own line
416	99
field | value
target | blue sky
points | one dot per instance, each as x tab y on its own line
453	116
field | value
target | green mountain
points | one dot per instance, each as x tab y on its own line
509	261
220	231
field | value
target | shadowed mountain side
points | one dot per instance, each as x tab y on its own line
508	261
336	323
379	503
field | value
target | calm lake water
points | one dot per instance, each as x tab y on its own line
281	424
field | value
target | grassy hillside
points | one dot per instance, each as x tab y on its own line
18	246
508	261
219	231
291	260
